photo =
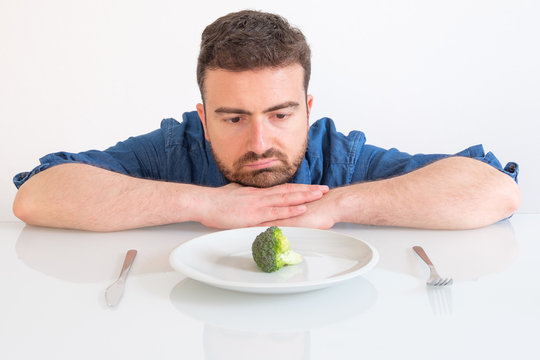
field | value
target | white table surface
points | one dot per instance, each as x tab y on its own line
52	303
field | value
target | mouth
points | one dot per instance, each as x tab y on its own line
261	164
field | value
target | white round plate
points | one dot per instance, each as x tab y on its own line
223	259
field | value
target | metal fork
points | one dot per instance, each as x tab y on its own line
434	278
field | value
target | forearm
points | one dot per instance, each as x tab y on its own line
454	193
86	197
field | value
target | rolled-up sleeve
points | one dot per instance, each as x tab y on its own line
375	163
141	156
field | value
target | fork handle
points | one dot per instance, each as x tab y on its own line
422	254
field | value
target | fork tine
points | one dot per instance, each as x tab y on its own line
440	282
444	282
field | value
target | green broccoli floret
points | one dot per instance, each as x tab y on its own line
271	250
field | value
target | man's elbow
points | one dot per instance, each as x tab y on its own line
513	198
505	200
24	208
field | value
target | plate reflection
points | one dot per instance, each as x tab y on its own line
238	325
275	312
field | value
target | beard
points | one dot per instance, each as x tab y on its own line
267	177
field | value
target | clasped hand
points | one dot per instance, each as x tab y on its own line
234	206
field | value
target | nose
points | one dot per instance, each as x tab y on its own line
259	136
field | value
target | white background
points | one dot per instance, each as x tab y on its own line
423	76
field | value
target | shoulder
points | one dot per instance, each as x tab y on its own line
326	141
332	155
183	132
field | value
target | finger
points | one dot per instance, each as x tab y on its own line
289	187
281	222
282	212
292	198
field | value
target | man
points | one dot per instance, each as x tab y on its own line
248	157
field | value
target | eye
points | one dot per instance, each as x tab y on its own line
281	116
233	120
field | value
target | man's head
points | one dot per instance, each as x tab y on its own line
251	40
253	73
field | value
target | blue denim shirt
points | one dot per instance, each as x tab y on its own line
178	152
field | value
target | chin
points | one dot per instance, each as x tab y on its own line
263	178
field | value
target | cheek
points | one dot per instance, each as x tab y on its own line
226	150
296	139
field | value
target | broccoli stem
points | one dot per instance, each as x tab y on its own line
289	257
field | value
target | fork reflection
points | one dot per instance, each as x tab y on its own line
440	300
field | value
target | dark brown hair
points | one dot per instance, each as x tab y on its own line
250	40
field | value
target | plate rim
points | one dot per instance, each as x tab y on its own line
189	272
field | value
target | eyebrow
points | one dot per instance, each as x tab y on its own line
228	110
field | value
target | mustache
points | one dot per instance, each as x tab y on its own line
251	156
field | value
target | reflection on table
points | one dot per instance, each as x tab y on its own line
55	281
80	256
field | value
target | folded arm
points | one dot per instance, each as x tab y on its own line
452	193
85	197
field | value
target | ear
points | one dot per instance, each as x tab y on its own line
309	102
202	116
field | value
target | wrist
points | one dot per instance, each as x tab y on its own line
186	202
357	203
342	209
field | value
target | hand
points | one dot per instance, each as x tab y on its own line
320	214
233	205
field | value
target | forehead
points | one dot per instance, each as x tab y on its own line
261	85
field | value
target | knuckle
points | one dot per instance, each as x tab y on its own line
290	187
274	211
